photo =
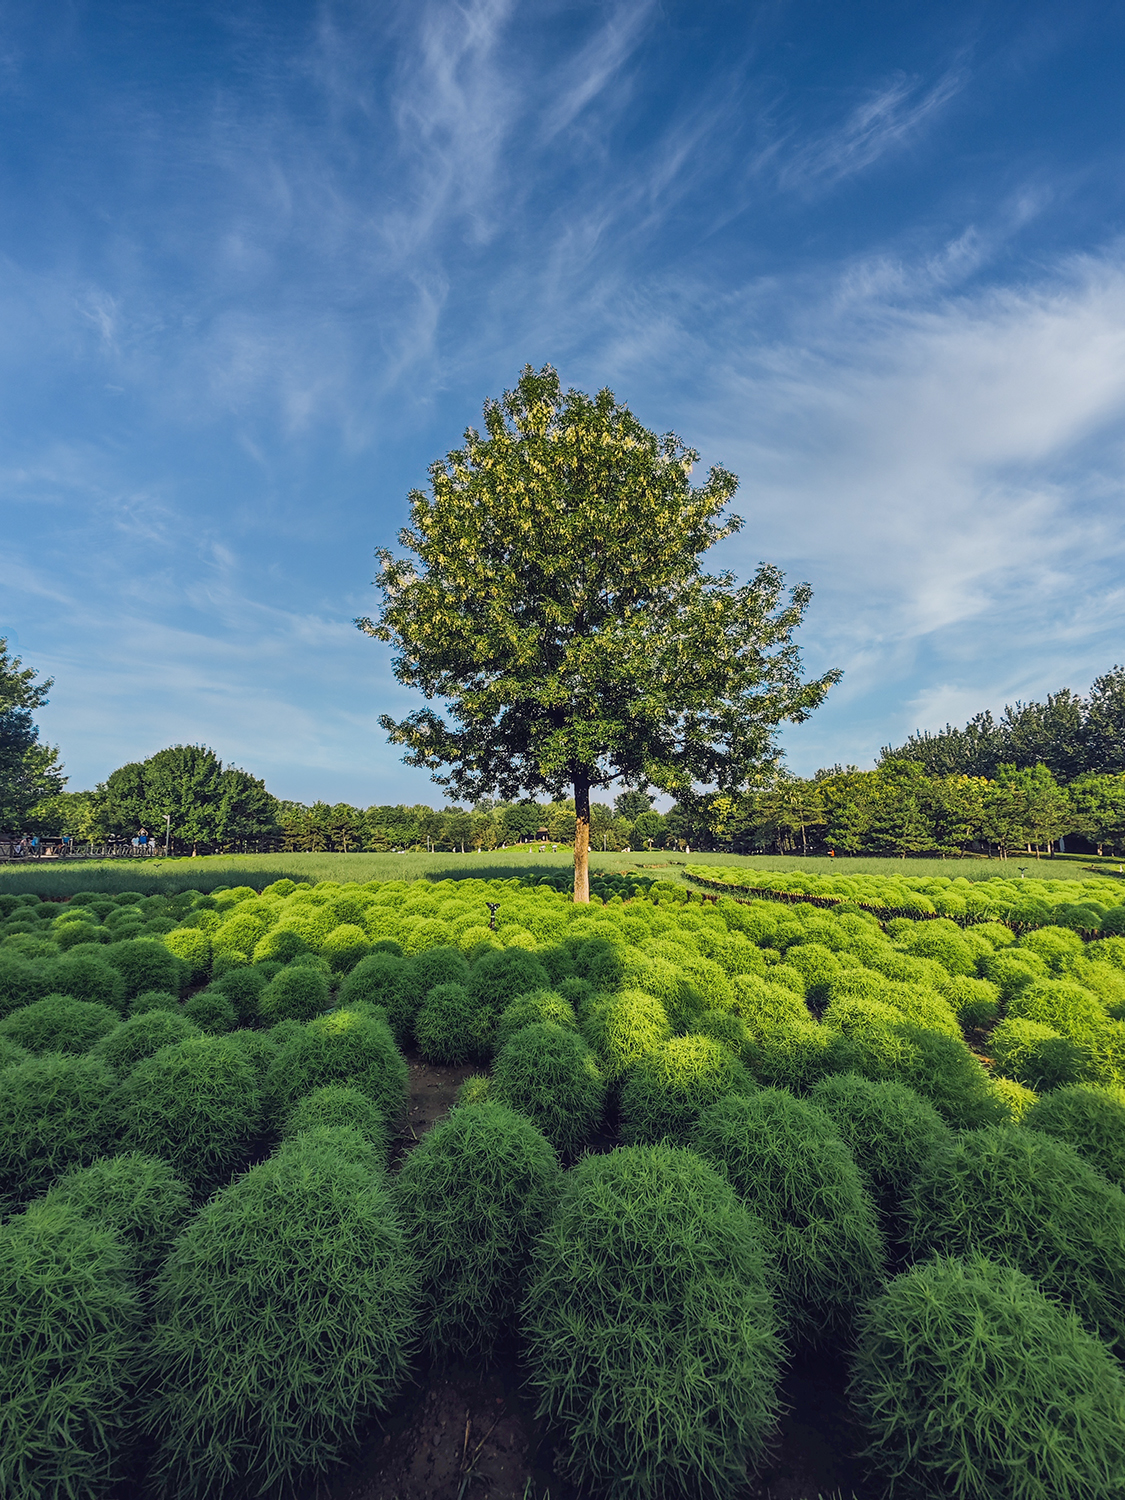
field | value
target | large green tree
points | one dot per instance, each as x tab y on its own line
552	596
208	804
29	771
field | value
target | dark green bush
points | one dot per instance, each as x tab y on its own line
1033	1203
940	1068
665	1091
56	1112
197	1105
972	1383
212	1011
338	1104
474	1196
621	1028
889	1129
265	1404
22	983
59	1024
260	1048
295	994
138	1198
786	1161
11	1053
454	1026
69	1339
150	1000
145	964
1035	1055
650	1328
546	1006
499	975
1091	1119
343	1047
549	1074
345	946
243	988
732	1031
381	979
85	975
141	1036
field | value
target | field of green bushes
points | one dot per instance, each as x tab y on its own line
703	1135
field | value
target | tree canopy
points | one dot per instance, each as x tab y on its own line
29	771
553	597
208	803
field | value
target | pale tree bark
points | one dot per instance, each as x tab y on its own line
582	838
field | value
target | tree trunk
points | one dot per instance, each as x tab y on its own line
582	839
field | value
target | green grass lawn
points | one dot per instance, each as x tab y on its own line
59	879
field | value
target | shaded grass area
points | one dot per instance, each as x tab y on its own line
61	879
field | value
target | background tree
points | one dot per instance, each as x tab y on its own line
29	771
632	803
208	805
1097	806
553	599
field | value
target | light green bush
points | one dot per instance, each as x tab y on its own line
667	1089
540	1006
345	946
193	949
622	1028
344	1046
1090	1119
1035	1055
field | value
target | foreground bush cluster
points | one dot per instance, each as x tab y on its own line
700	1137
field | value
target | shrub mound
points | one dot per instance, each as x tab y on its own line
1090	1119
140	1037
270	1402
454	1026
787	1163
59	1024
971	1382
149	1000
212	1011
379	979
474	1196
650	1328
1033	1203
539	1006
56	1112
243	988
197	1105
666	1090
550	1075
338	1104
1035	1055
86	975
621	1028
69	1336
138	1198
343	1047
145	964
499	975
298	993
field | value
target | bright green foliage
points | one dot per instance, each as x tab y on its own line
150	1000
1015	1097
732	1031
141	1036
145	964
339	1104
1092	1120
621	1028
1013	971
454	1026
1035	1056
500	975
540	1006
69	1350
243	988
1056	946
266	1403
86	975
650	1328
212	1011
475	1090
280	943
975	1001
197	1105
665	1091
1031	1202
474	1196
345	946
295	994
56	1112
972	1384
549	1074
787	1163
342	1047
193	948
889	1129
139	1198
1067	1008
939	1067
59	1024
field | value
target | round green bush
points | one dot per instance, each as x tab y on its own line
889	1129
139	1198
1033	1203
1091	1119
975	1001
1016	1099
56	1112
345	946
345	1046
140	1005
22	983
650	1329
475	1090
85	975
666	1090
454	1026
145	964
549	1074
1034	1055
339	1104
140	1037
280	944
971	1382
260	1048
381	979
1068	1008
621	1028
1013	970
940	1068
69	1338
269	1403
193	948
59	1024
732	1031
474	1196
540	1006
243	988
211	1010
296	994
786	1161
11	1053
499	975
197	1105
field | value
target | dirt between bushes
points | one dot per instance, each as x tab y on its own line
467	1430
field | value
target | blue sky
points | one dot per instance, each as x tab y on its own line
260	264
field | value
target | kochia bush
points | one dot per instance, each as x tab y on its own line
139	1198
56	1112
145	964
141	1036
342	1047
621	1028
454	1025
59	1024
536	1007
338	1104
1090	1119
1035	1055
667	1089
295	994
550	1075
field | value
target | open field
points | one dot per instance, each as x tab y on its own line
60	879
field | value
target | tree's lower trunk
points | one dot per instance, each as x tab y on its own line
582	839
